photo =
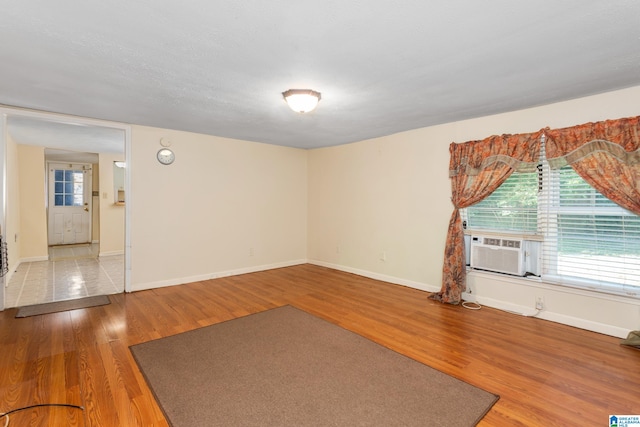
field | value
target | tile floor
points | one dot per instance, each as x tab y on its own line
71	272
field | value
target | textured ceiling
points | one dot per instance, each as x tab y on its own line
383	66
65	136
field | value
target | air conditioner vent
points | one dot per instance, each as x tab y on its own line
497	254
490	241
511	243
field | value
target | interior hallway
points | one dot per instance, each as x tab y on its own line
71	272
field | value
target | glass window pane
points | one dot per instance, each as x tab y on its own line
59	187
59	175
512	207
68	200
59	200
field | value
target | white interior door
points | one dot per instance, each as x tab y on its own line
69	203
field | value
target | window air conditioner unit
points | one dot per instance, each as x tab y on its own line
499	254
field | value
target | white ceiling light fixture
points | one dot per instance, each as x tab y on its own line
301	100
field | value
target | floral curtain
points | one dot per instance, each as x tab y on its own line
605	154
476	169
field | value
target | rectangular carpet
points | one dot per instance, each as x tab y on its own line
285	367
54	307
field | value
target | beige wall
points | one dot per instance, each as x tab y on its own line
33	216
392	195
223	207
112	216
379	208
381	199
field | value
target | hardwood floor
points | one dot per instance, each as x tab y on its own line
546	374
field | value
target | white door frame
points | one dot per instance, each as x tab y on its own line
3	186
72	120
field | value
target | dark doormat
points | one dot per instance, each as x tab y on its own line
54	307
285	367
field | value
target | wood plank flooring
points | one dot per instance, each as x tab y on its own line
546	374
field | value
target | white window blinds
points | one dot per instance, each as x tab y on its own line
588	239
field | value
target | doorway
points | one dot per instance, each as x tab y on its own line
71	216
70	205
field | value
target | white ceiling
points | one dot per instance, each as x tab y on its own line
383	66
65	136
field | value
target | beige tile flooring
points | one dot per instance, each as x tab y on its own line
71	272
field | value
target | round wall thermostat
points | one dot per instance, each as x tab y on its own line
166	156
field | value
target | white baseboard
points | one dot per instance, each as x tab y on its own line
111	253
215	275
577	322
377	276
34	259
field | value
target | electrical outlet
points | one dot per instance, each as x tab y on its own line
250	251
539	303
383	256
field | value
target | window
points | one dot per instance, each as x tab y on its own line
69	187
588	240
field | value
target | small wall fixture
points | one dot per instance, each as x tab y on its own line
301	100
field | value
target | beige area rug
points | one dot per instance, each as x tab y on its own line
285	367
54	307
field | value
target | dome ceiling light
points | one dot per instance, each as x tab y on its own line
301	100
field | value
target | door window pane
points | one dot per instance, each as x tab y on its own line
68	187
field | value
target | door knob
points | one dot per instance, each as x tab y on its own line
86	209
